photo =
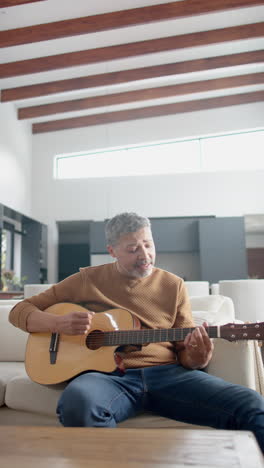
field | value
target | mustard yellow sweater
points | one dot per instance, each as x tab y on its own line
158	301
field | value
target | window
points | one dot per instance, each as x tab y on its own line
240	151
3	249
7	258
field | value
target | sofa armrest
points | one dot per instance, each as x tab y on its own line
13	340
239	363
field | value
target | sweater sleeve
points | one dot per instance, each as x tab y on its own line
184	313
68	290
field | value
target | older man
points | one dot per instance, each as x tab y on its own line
167	377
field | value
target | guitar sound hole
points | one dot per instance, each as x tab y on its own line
95	339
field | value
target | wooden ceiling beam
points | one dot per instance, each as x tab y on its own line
105	54
140	95
147	112
127	76
117	19
10	3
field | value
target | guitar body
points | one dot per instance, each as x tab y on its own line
73	356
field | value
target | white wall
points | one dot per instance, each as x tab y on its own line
220	194
256	240
15	161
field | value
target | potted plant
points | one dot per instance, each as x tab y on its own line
10	282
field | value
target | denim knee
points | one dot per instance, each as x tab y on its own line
79	407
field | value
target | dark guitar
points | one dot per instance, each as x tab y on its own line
54	358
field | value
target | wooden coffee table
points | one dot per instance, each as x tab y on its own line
58	447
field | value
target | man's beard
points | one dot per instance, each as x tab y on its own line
142	273
135	272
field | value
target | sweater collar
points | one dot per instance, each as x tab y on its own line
130	281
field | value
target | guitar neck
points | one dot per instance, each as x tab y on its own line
230	332
145	336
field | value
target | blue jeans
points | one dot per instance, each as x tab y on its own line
96	399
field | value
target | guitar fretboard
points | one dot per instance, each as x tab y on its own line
140	337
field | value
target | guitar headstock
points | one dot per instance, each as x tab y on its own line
243	331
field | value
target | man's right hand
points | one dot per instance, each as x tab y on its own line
74	323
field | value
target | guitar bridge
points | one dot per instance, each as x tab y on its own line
54	345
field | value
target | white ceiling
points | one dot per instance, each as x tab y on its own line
49	11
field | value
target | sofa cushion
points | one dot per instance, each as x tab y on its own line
11	302
23	394
234	362
8	370
13	340
11	417
215	309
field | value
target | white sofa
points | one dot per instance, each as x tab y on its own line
197	288
247	296
23	402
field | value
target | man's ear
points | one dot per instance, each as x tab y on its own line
111	251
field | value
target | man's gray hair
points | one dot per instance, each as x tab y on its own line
124	223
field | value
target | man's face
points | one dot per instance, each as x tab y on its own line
135	253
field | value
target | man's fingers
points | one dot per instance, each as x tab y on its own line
199	339
197	335
187	338
76	322
204	340
82	317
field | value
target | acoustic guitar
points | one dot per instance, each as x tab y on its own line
53	358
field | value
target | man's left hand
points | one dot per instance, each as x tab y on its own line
198	349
